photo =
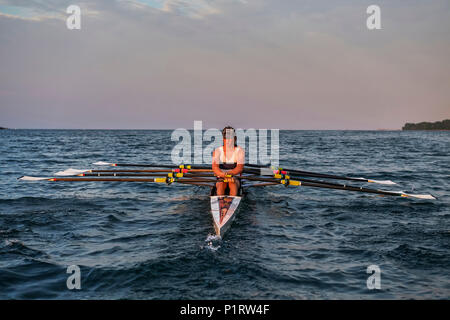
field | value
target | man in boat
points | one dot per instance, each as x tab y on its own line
228	160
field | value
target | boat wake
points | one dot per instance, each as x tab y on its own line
212	242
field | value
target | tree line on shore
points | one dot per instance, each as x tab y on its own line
438	125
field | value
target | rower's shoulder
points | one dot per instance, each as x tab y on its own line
218	151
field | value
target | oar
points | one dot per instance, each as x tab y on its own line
76	172
120	174
263	171
300	173
103	179
318	184
150	165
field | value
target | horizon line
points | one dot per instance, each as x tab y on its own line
284	129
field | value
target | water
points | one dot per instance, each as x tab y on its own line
145	241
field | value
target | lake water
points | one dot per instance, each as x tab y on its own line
146	241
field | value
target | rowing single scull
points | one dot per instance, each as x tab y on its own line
223	208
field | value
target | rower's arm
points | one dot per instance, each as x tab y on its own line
240	163
238	170
215	166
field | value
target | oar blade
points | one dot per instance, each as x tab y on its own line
103	163
70	172
386	182
418	196
28	178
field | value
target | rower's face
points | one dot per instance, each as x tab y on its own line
228	138
228	142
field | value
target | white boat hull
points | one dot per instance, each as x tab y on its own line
223	210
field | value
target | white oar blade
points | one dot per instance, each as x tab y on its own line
417	196
421	196
381	181
388	182
103	163
28	178
70	172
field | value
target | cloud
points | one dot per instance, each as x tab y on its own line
28	12
194	8
36	10
137	63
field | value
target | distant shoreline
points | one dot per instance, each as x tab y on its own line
171	129
421	126
435	126
281	130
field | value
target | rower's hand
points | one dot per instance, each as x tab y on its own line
222	174
225	174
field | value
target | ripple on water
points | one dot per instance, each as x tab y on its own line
154	242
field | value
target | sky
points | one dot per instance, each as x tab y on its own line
290	64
